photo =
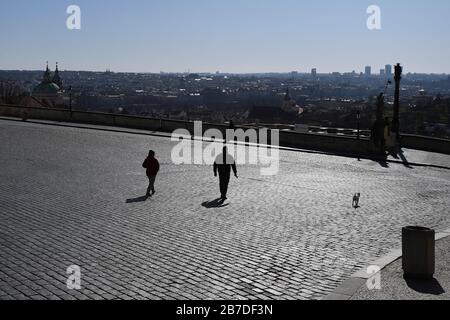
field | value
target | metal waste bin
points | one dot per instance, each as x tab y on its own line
418	252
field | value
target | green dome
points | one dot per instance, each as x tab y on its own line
46	88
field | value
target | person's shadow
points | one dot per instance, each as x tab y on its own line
217	203
403	158
397	153
138	199
426	286
383	163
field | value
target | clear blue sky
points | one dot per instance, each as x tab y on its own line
226	35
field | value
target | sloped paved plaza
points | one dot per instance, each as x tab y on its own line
72	196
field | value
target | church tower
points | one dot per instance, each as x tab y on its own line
47	76
57	79
48	92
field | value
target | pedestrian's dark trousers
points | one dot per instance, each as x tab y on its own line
224	180
151	184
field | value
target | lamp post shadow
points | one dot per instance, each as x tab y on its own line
425	286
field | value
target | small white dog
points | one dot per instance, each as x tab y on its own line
356	200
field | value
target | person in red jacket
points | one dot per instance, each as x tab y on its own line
152	166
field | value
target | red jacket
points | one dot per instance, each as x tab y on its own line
152	166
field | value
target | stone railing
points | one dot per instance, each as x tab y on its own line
311	141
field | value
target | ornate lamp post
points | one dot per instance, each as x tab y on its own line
358	118
70	99
396	117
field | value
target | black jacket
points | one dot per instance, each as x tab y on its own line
224	163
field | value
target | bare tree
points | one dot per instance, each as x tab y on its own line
8	90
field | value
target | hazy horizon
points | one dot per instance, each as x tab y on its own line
52	68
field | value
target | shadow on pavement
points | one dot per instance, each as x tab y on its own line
426	286
398	154
139	199
218	203
383	163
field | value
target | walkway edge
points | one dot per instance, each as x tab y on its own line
168	135
350	286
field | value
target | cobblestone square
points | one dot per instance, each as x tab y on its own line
72	196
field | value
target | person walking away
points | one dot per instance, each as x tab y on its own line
152	166
222	165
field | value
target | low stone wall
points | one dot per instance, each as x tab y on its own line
321	142
425	143
329	143
34	113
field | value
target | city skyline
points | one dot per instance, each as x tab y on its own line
231	37
300	72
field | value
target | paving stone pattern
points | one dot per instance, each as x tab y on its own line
72	196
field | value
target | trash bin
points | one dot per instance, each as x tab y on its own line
418	252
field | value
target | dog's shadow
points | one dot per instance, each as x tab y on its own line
217	203
138	199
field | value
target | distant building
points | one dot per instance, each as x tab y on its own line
266	114
368	71
11	93
422	98
388	70
314	73
28	101
289	104
287	113
48	93
382	72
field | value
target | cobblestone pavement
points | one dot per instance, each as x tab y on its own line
395	287
70	196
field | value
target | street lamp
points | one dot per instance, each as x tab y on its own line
395	120
358	118
70	99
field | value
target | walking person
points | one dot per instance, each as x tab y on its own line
223	165
152	166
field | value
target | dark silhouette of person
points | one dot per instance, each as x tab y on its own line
152	166
223	165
